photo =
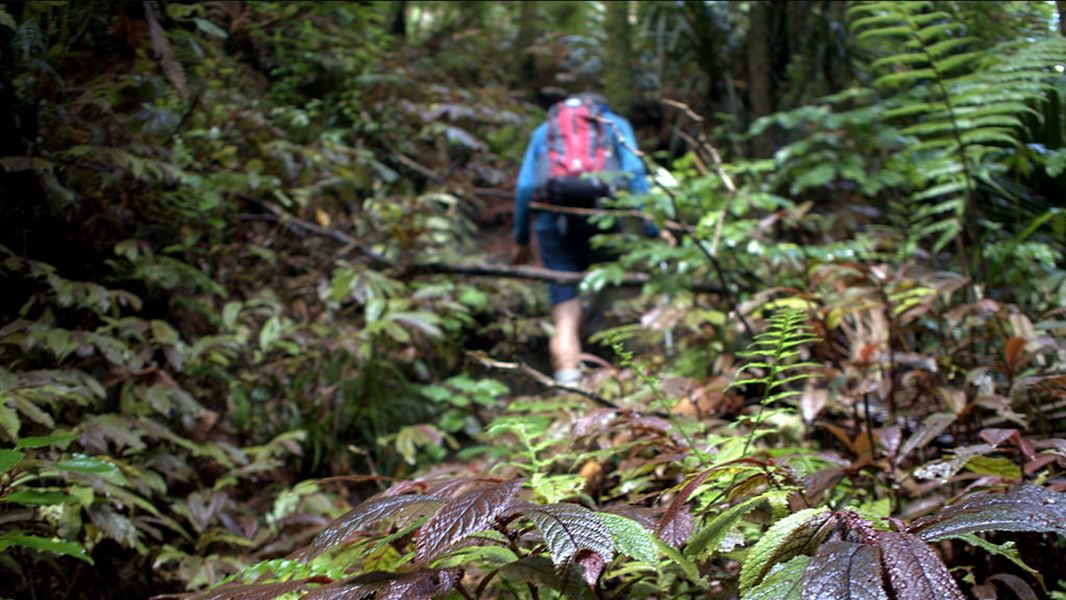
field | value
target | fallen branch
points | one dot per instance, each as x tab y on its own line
279	215
621	212
540	274
546	381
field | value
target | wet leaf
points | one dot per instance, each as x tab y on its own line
468	513
844	571
795	534
933	426
783	582
417	585
914	570
367	514
1028	508
569	528
255	591
631	538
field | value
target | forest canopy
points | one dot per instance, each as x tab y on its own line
261	335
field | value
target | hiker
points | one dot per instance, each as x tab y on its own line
578	157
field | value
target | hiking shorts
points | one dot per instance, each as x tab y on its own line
565	247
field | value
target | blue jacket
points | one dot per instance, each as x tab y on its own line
630	163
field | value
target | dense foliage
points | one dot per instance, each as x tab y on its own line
248	348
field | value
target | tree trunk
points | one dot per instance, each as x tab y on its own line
618	73
398	27
525	66
759	75
1061	4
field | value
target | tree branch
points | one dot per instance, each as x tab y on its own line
546	381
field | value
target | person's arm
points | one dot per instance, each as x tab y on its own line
633	166
524	187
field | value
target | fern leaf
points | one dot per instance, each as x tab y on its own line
903	77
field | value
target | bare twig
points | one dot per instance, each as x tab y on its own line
574	210
711	257
546	381
279	215
716	159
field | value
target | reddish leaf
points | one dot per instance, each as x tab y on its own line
682	497
256	591
540	571
468	513
678	530
915	572
1028	508
593	422
418	585
844	571
933	426
592	564
366	515
996	437
1013	351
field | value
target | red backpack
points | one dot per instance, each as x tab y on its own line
581	161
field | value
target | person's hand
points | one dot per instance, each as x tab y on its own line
668	237
521	255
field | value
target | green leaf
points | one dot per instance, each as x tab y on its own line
783	582
631	538
1007	550
9	421
33	542
86	464
270	332
706	541
58	438
788	537
9	458
32	497
6	19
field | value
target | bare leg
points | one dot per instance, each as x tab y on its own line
566	343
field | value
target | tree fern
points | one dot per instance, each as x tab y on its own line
960	106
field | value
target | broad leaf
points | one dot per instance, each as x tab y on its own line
783	582
469	513
844	571
797	533
707	540
914	570
9	458
569	528
32	497
33	542
1028	508
366	515
540	571
255	591
417	585
631	538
